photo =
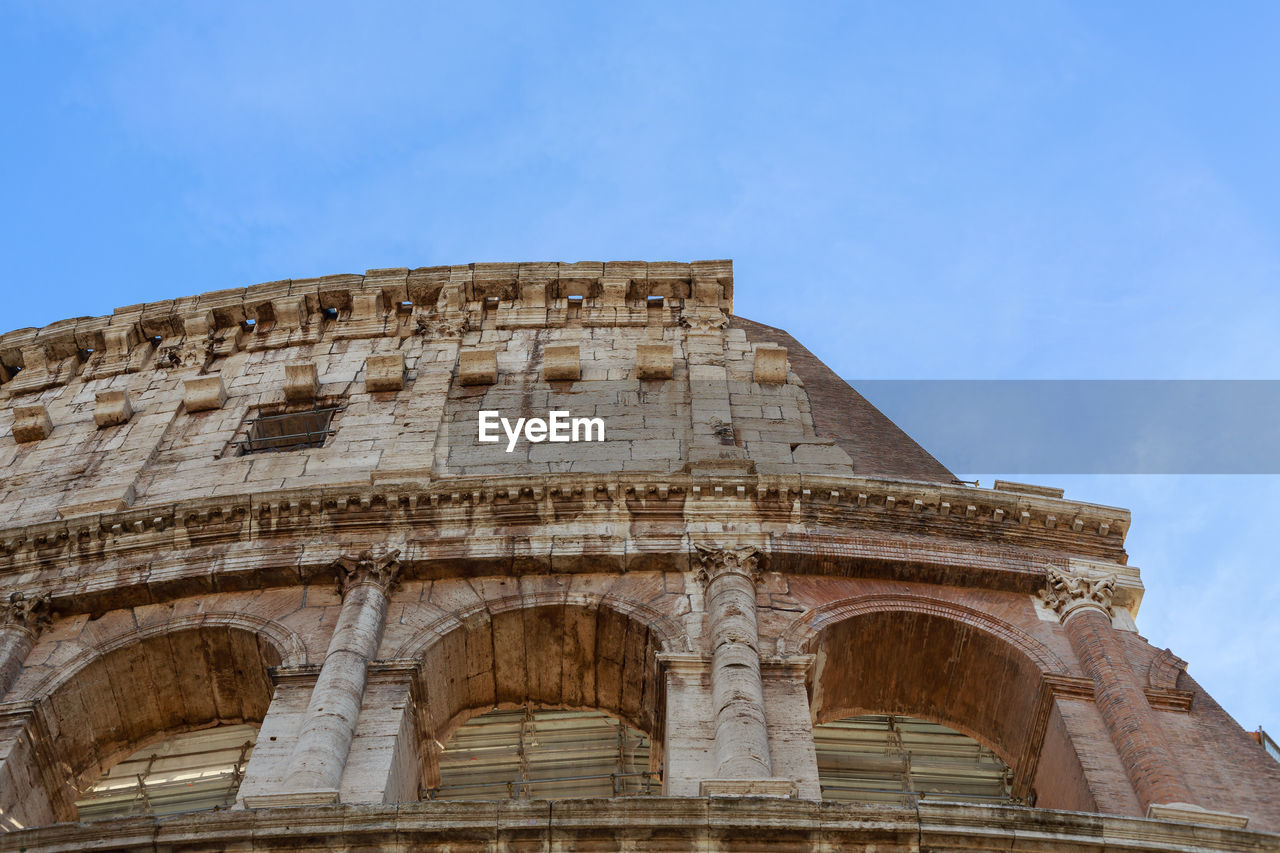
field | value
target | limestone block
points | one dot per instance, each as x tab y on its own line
384	372
301	383
199	325
1189	813
204	393
112	408
366	304
770	365
654	361
477	367
31	423
119	340
614	292
561	363
290	312
821	454
533	294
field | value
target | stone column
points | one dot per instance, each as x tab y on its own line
1082	600
315	769
741	751
22	618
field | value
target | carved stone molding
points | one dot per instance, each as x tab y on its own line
383	570
30	613
440	327
704	320
1076	589
715	561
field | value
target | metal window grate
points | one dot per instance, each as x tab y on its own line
544	754
192	771
291	431
888	759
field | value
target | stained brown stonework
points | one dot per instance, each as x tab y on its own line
752	550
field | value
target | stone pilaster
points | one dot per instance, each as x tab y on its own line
741	752
22	618
383	765
315	768
688	734
33	788
1082	599
791	749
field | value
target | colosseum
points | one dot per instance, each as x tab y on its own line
268	584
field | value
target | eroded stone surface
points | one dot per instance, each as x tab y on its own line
840	571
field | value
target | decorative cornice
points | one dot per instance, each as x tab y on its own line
955	512
847	526
382	571
28	613
438	302
1077	588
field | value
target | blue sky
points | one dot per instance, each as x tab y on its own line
965	190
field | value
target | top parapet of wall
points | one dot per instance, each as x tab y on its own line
599	293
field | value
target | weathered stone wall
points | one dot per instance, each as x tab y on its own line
728	568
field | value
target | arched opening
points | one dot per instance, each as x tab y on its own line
877	758
141	692
545	753
906	656
189	771
545	659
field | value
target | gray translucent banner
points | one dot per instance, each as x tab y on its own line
1088	426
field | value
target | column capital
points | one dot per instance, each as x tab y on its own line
1077	589
383	571
715	562
29	613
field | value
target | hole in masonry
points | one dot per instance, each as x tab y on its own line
289	431
656	301
329	313
155	339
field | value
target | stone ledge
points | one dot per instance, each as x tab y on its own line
286	799
784	788
1188	813
721	823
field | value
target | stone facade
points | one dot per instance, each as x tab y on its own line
752	550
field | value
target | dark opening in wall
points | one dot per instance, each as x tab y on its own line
285	432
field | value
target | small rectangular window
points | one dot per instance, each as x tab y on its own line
293	431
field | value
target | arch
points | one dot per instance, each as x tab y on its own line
1164	670
799	635
136	688
559	651
670	635
916	656
288	647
